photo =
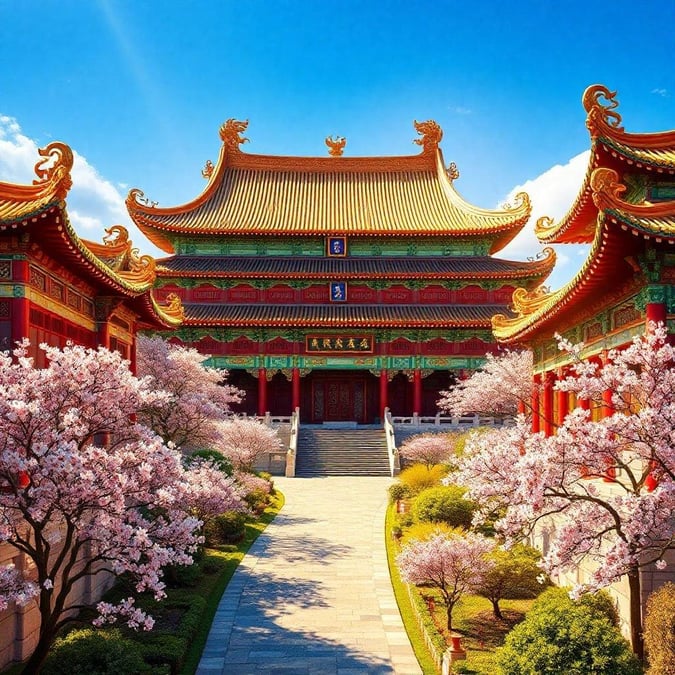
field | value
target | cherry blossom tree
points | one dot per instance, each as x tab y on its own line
502	385
243	441
429	449
603	487
73	508
199	398
451	562
211	492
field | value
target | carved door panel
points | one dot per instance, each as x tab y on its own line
339	400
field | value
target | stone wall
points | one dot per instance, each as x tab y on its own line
20	625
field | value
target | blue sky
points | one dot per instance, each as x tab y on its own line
139	88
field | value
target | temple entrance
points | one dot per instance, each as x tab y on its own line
339	396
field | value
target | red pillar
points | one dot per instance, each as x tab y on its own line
535	405
563	402
656	311
417	391
547	396
21	305
295	388
262	391
384	385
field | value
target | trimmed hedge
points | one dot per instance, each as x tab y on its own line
444	504
659	630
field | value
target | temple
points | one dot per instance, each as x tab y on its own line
56	287
337	285
625	210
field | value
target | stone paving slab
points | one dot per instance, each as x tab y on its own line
313	594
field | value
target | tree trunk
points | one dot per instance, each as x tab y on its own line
495	609
449	613
636	613
37	658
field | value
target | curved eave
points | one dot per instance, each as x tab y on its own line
544	314
53	227
152	315
257	195
345	316
281	269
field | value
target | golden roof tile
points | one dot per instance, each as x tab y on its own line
390	196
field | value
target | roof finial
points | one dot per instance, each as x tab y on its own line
54	168
229	133
600	115
336	145
431	134
207	171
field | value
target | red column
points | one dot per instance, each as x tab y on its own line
607	410
103	334
21	305
547	396
262	391
295	388
656	311
417	391
535	405
384	385
563	401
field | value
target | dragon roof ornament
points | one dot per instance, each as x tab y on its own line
54	168
601	116
230	134
207	171
431	134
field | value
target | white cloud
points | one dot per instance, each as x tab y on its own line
660	92
94	203
460	110
552	193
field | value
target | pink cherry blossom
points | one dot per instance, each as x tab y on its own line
452	563
603	487
244	440
197	396
427	449
86	489
500	387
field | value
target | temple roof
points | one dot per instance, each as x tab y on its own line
611	147
251	194
622	228
305	267
115	265
341	316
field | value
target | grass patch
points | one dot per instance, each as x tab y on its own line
401	593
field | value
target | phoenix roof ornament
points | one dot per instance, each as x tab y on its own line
230	134
431	134
336	145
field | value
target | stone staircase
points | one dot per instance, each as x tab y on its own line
341	452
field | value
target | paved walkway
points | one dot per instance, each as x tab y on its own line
313	594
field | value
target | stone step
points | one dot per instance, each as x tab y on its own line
342	452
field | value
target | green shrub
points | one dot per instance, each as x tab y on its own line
186	576
419	477
444	504
226	528
257	500
659	630
213	564
163	648
94	652
222	462
398	491
560	635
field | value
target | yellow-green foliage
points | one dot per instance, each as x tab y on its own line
660	631
423	531
419	477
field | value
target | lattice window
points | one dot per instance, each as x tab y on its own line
4	309
5	269
38	279
56	290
